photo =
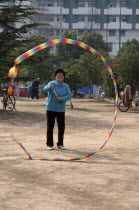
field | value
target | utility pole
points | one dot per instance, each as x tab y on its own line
107	24
120	25
92	14
60	18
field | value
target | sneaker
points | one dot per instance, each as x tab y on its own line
61	147
49	148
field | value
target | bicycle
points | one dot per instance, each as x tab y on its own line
9	101
125	107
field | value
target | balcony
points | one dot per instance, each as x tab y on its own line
137	11
56	25
56	10
85	25
116	25
86	11
137	26
116	11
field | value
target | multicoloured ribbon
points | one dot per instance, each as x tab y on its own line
82	45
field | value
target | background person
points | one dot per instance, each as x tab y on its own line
29	84
35	88
55	107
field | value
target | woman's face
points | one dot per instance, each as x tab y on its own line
60	77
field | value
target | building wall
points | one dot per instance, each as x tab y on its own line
116	20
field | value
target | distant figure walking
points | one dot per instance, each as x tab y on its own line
35	88
29	84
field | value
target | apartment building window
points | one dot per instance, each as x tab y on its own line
65	19
122	32
112	32
112	18
123	18
112	4
75	19
45	18
57	32
81	4
92	3
123	3
45	3
58	18
50	18
50	5
41	4
58	3
40	17
110	45
90	18
80	32
81	18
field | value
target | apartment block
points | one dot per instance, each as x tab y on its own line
116	20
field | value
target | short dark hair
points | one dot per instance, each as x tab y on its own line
60	71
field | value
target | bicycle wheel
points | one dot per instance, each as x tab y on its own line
123	108
10	103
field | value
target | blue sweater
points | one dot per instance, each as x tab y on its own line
62	90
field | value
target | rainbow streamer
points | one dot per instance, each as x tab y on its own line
13	72
82	45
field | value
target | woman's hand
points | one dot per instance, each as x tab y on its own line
59	98
51	87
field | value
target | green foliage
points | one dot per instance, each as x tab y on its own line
129	45
73	75
85	71
82	67
39	64
95	40
90	67
108	86
126	65
15	24
65	52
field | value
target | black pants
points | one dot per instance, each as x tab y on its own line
60	117
35	93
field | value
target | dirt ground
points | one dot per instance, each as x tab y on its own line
108	180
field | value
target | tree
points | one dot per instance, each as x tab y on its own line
133	44
15	25
73	75
82	67
90	67
126	65
86	71
65	52
39	64
94	40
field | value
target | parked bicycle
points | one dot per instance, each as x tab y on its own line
9	100
133	103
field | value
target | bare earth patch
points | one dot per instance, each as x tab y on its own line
108	180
